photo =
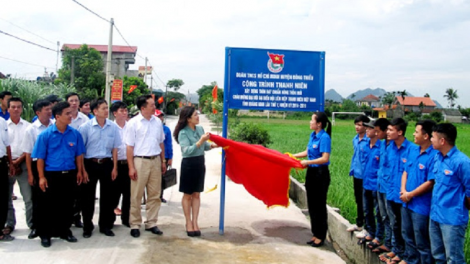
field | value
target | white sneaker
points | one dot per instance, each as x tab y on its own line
354	228
362	234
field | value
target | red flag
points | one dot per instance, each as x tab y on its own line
214	93
276	58
172	99
132	88
160	100
263	172
181	104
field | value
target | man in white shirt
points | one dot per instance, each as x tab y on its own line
5	158
43	110
16	132
78	118
146	159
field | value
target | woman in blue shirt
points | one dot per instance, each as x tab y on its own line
317	179
193	142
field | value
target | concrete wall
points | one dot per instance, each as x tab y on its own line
337	225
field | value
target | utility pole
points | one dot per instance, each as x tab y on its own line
72	71
57	61
151	83
108	64
145	71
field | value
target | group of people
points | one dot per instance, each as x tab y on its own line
412	198
59	159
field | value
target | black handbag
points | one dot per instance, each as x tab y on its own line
169	178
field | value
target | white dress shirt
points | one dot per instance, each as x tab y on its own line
145	135
16	133
4	138
31	135
81	119
122	150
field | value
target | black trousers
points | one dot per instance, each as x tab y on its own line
317	183
4	191
36	191
358	195
123	187
55	205
98	172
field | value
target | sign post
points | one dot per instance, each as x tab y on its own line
116	91
263	79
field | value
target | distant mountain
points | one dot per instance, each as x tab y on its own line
365	92
333	95
438	105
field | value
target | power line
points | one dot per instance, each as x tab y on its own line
33	64
28	31
27	41
119	32
91	11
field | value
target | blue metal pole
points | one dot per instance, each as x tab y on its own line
224	134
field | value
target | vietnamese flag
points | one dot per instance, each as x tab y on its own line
172	99
276	58
160	100
263	172
132	88
214	93
181	104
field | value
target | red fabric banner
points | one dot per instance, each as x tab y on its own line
263	172
131	88
214	93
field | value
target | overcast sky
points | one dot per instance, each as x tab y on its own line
418	46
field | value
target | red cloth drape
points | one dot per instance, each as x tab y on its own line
263	172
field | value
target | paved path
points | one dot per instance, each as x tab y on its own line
253	233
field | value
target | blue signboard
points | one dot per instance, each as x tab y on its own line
280	80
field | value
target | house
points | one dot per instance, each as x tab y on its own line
370	101
451	115
416	104
121	58
2	76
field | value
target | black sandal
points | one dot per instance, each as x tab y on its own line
373	245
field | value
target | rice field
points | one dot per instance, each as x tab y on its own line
293	135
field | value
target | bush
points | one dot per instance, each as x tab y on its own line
436	116
250	133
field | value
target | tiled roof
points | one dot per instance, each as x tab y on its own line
104	48
415	101
369	98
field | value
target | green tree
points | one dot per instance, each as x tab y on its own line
205	97
175	84
142	88
388	99
421	106
427	95
89	78
451	96
403	94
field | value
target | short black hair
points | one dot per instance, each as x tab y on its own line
382	123
141	101
59	107
400	124
118	105
96	103
15	99
2	94
71	94
84	101
40	104
426	126
361	118
448	131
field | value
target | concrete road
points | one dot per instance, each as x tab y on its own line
253	233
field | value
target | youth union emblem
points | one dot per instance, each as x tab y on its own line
275	62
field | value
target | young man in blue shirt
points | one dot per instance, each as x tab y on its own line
59	150
102	140
360	143
450	197
398	151
416	189
371	166
168	146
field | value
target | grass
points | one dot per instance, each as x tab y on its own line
293	135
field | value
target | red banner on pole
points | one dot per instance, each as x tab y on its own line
116	91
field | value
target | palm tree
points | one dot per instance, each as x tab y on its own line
427	95
451	96
388	99
403	94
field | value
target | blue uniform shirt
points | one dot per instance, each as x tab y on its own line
5	116
358	161
371	166
100	141
168	143
317	145
57	149
419	171
383	174
397	158
452	184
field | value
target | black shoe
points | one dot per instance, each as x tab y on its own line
45	242
319	244
190	233
32	234
197	233
78	223
87	234
107	232
163	200
69	238
155	230
135	232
